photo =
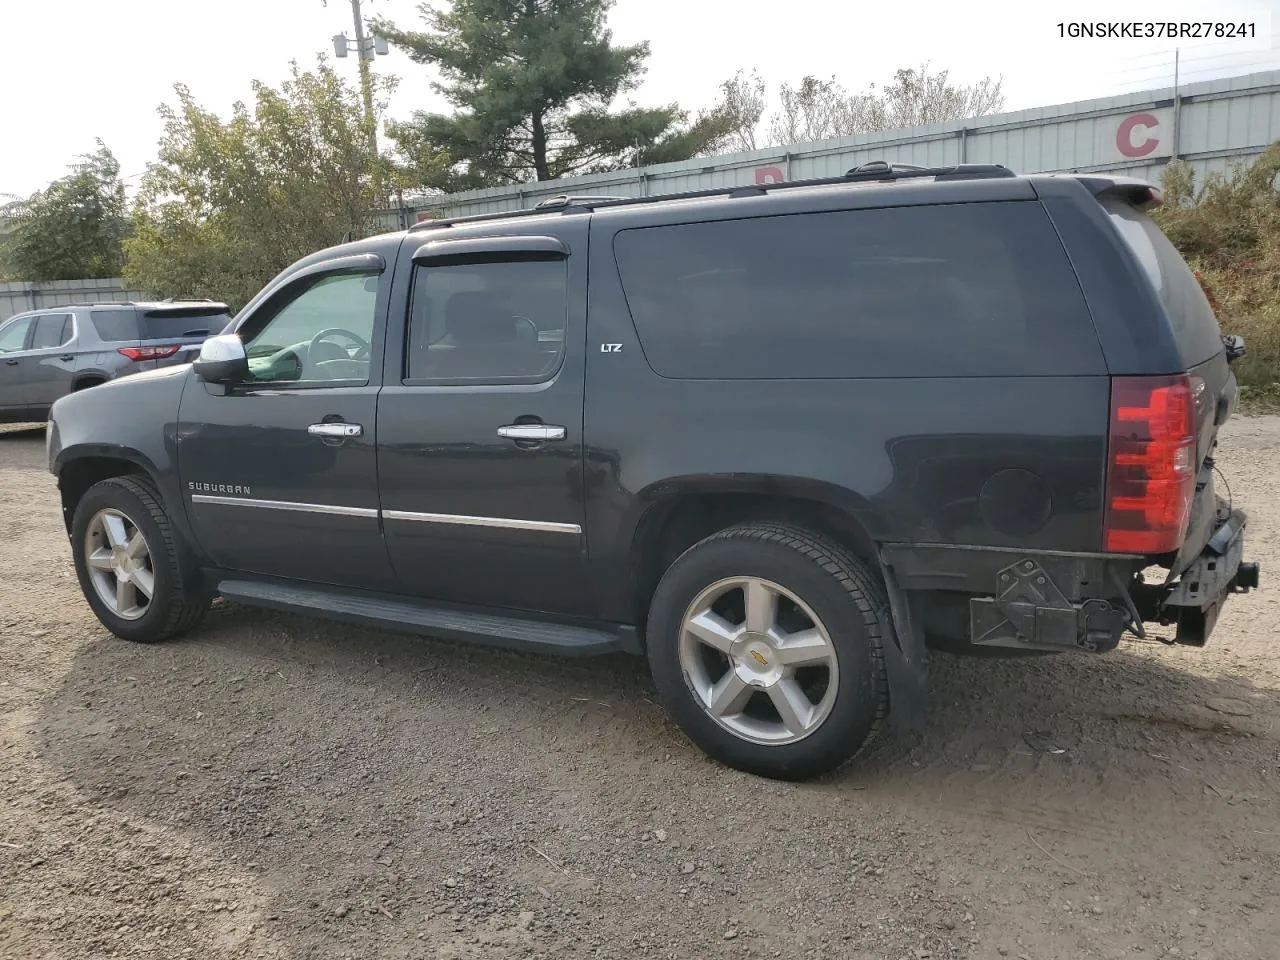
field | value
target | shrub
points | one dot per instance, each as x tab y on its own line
1228	229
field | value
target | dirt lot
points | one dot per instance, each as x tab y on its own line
277	787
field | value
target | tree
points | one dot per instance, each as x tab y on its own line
915	98
822	110
71	230
818	109
533	83
742	104
230	203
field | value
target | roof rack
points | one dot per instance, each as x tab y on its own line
873	170
566	200
176	303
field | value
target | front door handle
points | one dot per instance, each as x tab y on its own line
338	431
532	431
12	363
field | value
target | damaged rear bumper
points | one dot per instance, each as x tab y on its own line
1194	600
1047	601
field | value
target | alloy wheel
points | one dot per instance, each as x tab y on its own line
758	660
120	565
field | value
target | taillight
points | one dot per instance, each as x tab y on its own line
150	353
1151	468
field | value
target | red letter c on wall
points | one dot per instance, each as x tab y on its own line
770	175
1124	135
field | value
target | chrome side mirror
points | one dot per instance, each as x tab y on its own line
222	360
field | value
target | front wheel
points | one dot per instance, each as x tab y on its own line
766	646
128	563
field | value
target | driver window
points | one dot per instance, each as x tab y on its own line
14	336
323	333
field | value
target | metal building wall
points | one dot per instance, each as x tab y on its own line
1213	125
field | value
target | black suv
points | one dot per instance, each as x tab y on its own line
779	439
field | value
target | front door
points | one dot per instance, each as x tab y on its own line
480	421
13	346
280	472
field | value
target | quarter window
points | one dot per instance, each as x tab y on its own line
116	325
487	322
324	333
977	289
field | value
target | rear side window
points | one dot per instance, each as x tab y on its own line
52	330
981	289
494	322
180	324
118	324
1195	328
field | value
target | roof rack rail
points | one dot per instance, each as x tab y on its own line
882	170
873	170
568	200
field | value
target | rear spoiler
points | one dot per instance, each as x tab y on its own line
201	308
1139	193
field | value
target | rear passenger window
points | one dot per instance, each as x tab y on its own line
489	322
113	325
52	330
980	289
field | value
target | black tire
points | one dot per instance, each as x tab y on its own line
838	587
178	601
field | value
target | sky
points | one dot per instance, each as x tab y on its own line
76	70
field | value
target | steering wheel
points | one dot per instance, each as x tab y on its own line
532	326
361	344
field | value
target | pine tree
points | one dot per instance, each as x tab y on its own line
532	82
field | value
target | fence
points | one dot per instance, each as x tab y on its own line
20	296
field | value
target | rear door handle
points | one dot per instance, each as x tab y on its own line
67	357
11	363
532	431
338	431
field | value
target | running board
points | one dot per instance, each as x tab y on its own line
407	616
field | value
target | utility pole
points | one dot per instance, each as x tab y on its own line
1177	105
366	49
366	77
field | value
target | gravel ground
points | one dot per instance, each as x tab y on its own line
278	787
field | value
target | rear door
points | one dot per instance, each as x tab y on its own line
13	345
50	364
480	422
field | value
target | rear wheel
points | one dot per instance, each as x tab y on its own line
128	562
765	643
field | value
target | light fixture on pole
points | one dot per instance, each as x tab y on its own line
366	48
372	46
